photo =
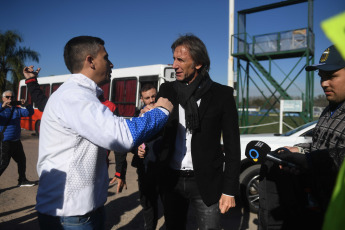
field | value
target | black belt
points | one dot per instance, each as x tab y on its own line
185	173
89	214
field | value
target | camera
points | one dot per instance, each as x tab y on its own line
14	103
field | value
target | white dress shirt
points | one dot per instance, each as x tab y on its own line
182	159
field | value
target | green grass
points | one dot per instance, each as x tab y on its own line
273	128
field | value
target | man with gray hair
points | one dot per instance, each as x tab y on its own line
10	144
191	145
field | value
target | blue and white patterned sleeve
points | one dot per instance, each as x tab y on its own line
143	128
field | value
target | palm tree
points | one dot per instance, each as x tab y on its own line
12	58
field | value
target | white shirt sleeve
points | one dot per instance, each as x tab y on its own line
94	121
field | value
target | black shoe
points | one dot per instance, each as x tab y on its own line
26	183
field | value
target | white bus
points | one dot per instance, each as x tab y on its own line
123	89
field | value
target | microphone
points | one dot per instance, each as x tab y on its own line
259	151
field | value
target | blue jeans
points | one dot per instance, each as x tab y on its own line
91	221
176	201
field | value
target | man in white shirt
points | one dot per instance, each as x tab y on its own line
76	130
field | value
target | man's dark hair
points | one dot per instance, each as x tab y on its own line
197	50
146	87
78	48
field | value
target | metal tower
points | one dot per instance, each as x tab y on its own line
255	56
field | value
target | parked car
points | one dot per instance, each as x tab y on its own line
250	172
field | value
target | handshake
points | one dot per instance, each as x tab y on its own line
162	102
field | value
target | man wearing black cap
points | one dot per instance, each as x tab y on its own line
282	194
329	131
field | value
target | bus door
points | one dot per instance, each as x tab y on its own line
146	80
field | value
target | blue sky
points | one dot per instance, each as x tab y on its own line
141	32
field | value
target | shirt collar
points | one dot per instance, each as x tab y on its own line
86	82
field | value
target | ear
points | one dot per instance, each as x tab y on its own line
89	61
198	67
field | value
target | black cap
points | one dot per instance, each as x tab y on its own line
330	60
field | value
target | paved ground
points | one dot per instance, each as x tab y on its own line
17	205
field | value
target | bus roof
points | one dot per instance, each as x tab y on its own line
118	72
139	70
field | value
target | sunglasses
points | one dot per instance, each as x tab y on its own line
8	97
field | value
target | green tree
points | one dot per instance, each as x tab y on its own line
12	58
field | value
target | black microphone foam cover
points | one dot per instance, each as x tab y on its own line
257	151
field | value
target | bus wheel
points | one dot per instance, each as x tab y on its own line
37	127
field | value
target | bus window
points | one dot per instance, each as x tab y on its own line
149	79
23	92
169	74
46	89
124	95
23	95
154	83
106	88
55	86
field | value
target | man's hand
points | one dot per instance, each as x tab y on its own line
165	103
6	104
29	72
296	158
120	184
141	151
226	202
292	149
146	109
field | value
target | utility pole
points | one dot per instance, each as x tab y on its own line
231	32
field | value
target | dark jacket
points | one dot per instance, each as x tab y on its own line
37	95
152	148
329	132
13	129
218	116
